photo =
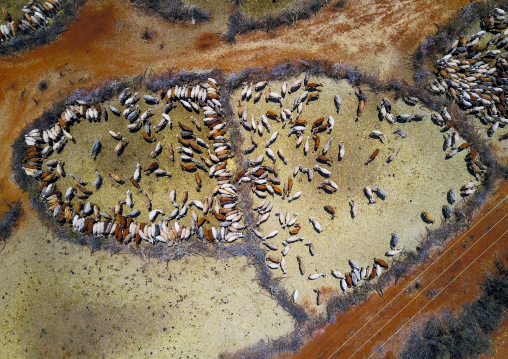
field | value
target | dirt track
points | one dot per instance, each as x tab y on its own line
378	329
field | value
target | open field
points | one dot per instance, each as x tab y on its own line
68	302
59	299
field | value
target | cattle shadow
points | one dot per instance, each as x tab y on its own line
408	102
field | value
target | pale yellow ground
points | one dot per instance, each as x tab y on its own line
59	300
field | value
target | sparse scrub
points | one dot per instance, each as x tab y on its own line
147	34
9	219
432	293
239	23
175	10
340	4
267	349
467	334
42	85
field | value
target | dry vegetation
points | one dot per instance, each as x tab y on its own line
9	220
240	23
175	10
464	335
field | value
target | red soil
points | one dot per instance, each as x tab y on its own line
106	43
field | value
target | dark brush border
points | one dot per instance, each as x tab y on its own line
9	219
174	10
44	35
240	23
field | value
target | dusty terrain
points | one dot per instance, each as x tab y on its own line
110	295
60	300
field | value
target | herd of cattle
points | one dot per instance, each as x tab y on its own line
265	179
89	218
473	72
35	14
72	207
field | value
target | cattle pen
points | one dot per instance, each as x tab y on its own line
299	201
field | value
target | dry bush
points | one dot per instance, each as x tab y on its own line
147	34
9	219
467	334
174	10
239	23
42	85
340	4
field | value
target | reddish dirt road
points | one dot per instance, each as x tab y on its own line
379	328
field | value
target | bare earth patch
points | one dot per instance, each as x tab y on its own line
67	302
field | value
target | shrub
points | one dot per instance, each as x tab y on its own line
464	335
147	34
174	10
239	24
340	4
9	219
42	85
